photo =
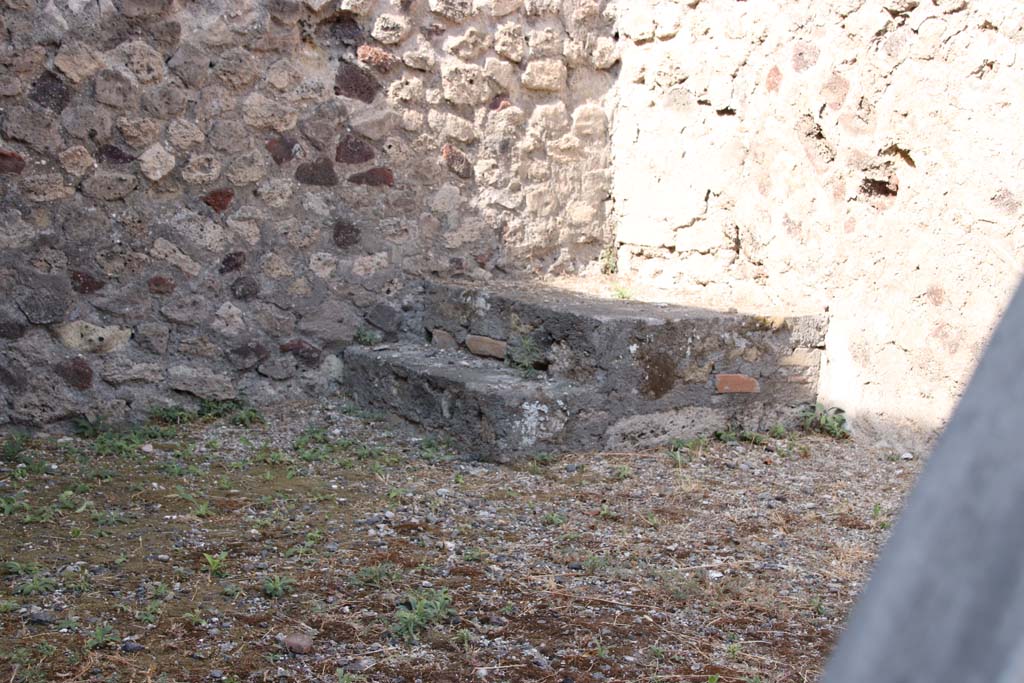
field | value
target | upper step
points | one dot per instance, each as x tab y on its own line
514	371
631	351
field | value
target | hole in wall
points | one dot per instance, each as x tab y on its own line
880	188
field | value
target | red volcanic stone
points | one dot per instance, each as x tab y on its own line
50	91
352	149
219	200
281	148
378	58
159	284
457	162
76	372
232	262
355	82
11	162
84	283
375	177
319	172
303	350
112	154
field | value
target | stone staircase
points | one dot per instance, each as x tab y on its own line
510	371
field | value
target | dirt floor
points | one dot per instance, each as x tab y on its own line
321	544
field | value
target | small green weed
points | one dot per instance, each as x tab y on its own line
277	586
728	434
14	445
172	415
202	509
89	429
831	421
420	611
474	555
194	617
553	519
248	417
151	613
215	563
36	585
10	505
213	409
753	437
367	336
377	575
525	355
609	260
101	636
15	568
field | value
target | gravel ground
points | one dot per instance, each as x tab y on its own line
325	544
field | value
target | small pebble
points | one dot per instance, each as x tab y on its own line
130	646
299	643
164	558
360	665
41	617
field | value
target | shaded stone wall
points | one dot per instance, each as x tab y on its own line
209	199
854	154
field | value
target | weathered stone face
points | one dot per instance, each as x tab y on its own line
182	202
793	168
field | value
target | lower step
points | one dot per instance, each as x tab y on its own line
497	412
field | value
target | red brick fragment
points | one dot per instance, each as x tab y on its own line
379	58
220	199
375	177
736	384
11	162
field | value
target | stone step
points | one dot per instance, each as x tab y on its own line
631	350
492	410
518	371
